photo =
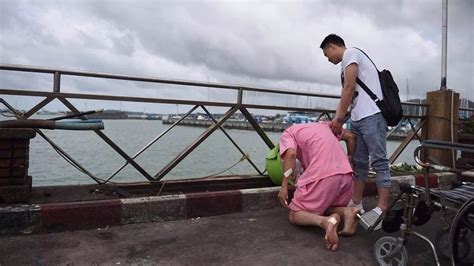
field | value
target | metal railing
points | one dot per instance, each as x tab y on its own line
233	106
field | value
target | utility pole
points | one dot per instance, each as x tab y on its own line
444	49
408	91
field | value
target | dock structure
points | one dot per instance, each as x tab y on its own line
267	127
230	124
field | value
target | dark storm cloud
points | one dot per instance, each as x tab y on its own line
227	37
257	43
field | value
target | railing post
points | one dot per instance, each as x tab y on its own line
240	95
257	128
57	82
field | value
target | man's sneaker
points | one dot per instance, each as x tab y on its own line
369	218
358	206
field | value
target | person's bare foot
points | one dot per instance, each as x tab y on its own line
350	221
331	239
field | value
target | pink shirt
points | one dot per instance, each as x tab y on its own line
318	151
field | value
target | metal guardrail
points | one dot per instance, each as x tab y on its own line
238	105
442	145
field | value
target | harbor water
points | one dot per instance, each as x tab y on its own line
214	155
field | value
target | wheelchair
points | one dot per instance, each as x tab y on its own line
455	203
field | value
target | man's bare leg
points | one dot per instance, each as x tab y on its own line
358	191
349	216
384	197
383	193
328	223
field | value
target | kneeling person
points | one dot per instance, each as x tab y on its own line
325	187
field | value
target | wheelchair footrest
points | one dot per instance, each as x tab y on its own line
368	219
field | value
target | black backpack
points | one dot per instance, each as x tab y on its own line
391	105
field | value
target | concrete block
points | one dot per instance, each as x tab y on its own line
432	180
260	198
19	219
396	180
446	179
153	209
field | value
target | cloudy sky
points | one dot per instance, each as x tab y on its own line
268	44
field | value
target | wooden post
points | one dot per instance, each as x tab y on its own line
442	124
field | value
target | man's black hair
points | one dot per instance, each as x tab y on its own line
334	39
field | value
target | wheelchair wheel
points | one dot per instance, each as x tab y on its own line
461	235
384	246
442	244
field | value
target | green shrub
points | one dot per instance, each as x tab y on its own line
467	126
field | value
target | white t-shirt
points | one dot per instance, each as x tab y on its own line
362	105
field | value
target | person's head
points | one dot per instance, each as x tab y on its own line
333	48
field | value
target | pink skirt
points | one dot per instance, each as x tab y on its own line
318	196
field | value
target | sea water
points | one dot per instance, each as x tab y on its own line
215	154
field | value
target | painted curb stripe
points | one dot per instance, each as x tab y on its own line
432	180
101	213
79	215
213	203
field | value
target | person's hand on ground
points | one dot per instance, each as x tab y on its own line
283	196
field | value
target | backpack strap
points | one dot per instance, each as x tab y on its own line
362	84
367	90
368	57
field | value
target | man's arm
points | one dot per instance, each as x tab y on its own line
350	77
289	163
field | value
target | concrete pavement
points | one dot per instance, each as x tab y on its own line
247	238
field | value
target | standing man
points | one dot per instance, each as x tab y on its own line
368	123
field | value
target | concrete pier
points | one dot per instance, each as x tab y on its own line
248	238
92	211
